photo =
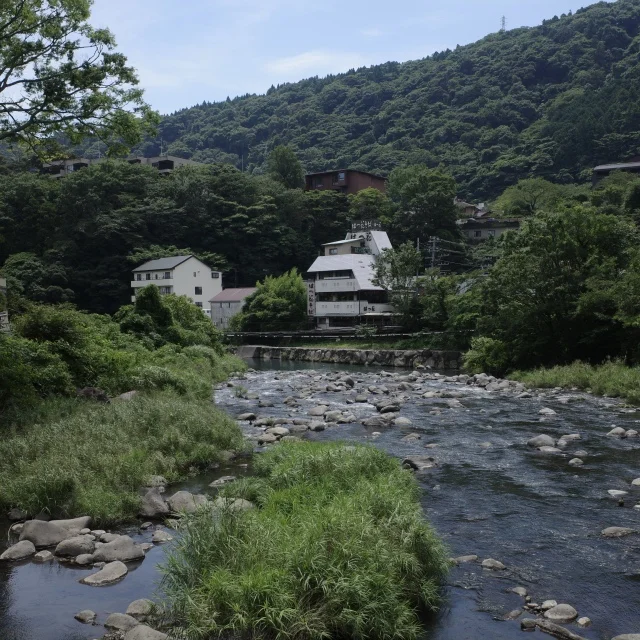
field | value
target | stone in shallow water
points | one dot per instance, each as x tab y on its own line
576	462
584	621
86	616
224	480
617	432
140	609
617	532
464	559
541	441
142	632
616	493
43	556
520	591
122	549
185	502
110	573
492	564
161	537
120	622
561	613
20	551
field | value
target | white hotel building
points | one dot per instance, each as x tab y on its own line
339	288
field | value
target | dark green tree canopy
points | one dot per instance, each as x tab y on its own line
284	167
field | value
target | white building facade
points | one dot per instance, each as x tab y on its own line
182	276
340	292
227	304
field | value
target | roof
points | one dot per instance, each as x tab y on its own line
348	240
361	265
475	223
621	165
162	263
381	239
324	173
233	295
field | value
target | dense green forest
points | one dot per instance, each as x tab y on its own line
548	101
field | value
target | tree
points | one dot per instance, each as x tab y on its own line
425	199
59	76
396	271
279	304
528	197
284	166
370	204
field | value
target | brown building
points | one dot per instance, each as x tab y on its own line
345	180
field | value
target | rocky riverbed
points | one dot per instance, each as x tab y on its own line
536	493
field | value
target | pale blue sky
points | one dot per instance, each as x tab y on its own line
193	50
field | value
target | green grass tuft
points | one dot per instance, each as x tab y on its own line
338	548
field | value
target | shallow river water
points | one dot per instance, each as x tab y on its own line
489	495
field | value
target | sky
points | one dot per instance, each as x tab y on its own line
189	51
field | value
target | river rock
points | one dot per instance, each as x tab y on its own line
278	431
561	613
234	504
636	482
549	450
76	546
49	534
16	529
142	632
617	532
628	636
120	622
520	591
584	622
617	432
419	463
631	433
374	421
185	502
492	564
19	551
390	408
556	630
548	604
412	437
221	481
541	441
161	537
332	416
347	418
267	438
86	616
513	615
109	537
616	493
576	462
140	609
110	573
316	425
402	422
84	559
464	559
15	515
122	549
546	411
361	397
320	410
247	417
43	556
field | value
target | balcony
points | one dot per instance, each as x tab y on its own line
336	285
337	308
159	282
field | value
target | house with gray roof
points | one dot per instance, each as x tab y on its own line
228	303
181	275
340	291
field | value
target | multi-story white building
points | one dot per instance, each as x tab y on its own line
227	304
339	288
182	275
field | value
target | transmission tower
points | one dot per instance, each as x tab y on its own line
503	24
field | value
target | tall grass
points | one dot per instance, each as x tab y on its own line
80	458
613	379
338	548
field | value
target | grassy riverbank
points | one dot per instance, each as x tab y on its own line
337	548
613	379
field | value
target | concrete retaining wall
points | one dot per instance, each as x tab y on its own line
437	360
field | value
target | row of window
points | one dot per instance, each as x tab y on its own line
167	276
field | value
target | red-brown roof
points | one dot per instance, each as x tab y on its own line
233	295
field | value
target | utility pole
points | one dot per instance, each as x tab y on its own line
433	240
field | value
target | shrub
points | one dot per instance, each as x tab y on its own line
486	355
338	548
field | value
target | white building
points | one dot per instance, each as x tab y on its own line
227	304
339	288
181	275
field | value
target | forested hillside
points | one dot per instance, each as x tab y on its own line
548	101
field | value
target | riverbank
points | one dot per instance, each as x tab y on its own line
612	379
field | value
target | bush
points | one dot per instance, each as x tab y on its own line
93	460
487	355
337	548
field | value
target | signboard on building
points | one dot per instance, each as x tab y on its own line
366	225
311	298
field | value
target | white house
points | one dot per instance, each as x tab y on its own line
339	288
182	275
227	304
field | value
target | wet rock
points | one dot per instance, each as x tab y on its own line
628	636
419	463
546	411
86	616
618	432
120	622
96	533
581	453
528	624
548	604
412	437
278	431
549	450
246	417
520	591
185	502
513	615
122	549
16	529
221	481
361	398
84	559
140	609
332	416
317	426
617	532
267	438
616	493
109	537
19	551
15	515
320	410
584	622
464	559
43	556
494	565
553	629
161	537
49	534
142	632
576	462
562	613
76	546
631	433
110	573
390	408
402	422
636	482
234	504
541	441
347	418
374	421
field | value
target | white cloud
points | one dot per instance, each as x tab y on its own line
315	62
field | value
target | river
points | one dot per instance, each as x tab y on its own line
490	495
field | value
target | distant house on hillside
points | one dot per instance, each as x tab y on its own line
603	170
469	210
182	275
339	288
345	181
227	304
61	168
484	228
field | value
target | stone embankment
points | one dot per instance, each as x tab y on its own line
437	360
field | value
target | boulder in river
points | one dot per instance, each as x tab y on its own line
616	493
153	505
562	613
122	549
492	564
617	432
464	559
541	441
320	410
402	422
120	622
520	591
546	411
140	609
110	573
617	532
160	536
49	534
419	463
185	502
247	417
628	636
86	616
76	546
43	556
635	483
19	551
142	632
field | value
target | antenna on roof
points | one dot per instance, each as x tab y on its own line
503	24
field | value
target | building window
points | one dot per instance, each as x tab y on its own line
155	276
491	234
333	252
199	305
165	290
195	275
477	234
167	275
138	276
199	291
215	274
148	276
